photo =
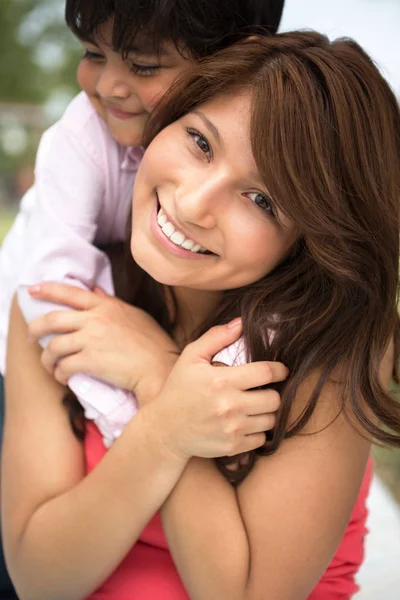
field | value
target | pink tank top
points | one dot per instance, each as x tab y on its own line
148	572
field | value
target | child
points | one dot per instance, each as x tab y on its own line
86	163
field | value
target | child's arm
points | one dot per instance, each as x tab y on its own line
75	184
70	185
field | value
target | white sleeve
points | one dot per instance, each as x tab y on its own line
232	355
69	189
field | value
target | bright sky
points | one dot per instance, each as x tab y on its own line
375	24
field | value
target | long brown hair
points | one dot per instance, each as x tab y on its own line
325	133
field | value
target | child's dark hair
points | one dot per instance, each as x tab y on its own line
202	27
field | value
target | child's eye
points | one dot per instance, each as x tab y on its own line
263	202
144	70
201	142
89	55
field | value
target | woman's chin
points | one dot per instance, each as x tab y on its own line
151	267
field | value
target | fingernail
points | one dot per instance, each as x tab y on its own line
235	323
35	289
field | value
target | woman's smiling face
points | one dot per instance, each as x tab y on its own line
201	173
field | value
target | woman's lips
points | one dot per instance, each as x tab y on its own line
170	246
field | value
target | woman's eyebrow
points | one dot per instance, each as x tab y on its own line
210	126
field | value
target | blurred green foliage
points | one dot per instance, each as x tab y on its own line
24	25
39	56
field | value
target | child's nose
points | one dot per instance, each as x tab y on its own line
111	84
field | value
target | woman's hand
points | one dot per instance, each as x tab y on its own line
207	411
103	337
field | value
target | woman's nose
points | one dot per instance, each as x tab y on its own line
111	84
202	203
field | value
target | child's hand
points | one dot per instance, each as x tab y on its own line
208	411
103	337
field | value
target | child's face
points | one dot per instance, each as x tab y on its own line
124	92
201	171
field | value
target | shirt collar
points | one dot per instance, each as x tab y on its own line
131	158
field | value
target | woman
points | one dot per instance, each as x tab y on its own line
280	159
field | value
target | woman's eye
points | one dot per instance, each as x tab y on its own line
144	70
263	202
89	55
201	142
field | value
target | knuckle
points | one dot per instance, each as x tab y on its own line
255	442
268	373
61	376
52	320
219	383
274	400
231	430
52	347
46	363
32	328
224	408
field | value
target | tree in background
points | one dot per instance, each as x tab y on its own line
37	76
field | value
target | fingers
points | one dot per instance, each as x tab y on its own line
260	423
214	340
261	402
248	443
58	321
67	367
253	375
59	347
67	295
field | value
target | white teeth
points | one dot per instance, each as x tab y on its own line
177	237
188	244
168	229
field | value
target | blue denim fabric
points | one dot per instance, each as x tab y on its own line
7	591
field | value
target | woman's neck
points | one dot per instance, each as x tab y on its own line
194	306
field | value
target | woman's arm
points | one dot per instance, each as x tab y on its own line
65	533
275	536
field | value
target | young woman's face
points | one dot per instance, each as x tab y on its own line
124	92
202	217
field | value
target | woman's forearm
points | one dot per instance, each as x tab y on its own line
206	534
75	541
